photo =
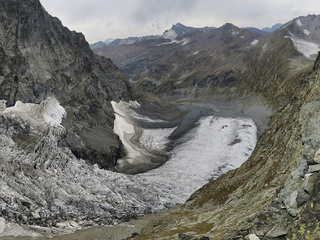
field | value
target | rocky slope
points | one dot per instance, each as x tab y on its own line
274	194
207	62
189	64
39	58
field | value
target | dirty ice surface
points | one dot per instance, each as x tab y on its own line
56	183
215	146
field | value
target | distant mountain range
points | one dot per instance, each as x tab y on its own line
177	30
273	28
119	41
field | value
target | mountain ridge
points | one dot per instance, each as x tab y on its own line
181	29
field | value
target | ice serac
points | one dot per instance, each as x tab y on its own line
39	57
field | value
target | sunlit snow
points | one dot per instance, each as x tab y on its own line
264	47
305	47
299	22
171	34
254	42
305	31
183	42
47	112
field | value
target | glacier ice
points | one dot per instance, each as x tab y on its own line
50	186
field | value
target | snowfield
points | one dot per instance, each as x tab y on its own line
254	42
305	47
50	186
171	34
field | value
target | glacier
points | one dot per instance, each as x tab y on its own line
48	187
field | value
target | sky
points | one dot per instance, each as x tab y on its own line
102	19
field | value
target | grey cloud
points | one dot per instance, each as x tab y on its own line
100	19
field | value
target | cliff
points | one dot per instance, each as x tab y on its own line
39	57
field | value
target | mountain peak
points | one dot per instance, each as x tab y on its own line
273	28
179	30
178	24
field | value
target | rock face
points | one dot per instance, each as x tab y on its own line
39	57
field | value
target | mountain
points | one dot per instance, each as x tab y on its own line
131	40
99	44
118	41
57	120
179	30
274	193
108	41
199	64
256	30
40	58
272	29
174	66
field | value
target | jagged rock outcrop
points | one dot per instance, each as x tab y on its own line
39	57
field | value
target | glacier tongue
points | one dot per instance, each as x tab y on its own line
216	146
50	185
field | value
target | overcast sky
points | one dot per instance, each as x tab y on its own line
102	19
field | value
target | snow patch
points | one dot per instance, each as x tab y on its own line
171	34
235	33
3	105
254	42
306	32
264	47
183	42
299	22
305	47
48	113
